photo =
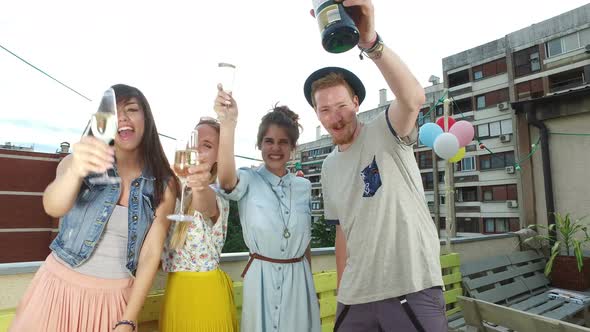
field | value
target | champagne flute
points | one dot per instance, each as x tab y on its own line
103	125
226	73
186	155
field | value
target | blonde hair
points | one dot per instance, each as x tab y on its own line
181	229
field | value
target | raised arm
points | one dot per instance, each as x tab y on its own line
90	155
408	92
227	112
203	198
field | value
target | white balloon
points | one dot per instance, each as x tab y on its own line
446	145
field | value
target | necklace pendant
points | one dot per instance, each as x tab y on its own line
286	233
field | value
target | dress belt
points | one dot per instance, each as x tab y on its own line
272	260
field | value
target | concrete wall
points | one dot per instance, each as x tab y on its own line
15	278
570	164
554	27
475	54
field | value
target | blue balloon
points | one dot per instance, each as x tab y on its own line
428	133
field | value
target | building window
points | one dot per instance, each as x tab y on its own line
314	179
527	61
494	129
440	111
481	102
468	225
498	160
554	47
489	69
487	194
506	126
467	194
461	106
441	177
491	98
443	199
425	159
567	43
568	79
530	89
496	225
483	130
468	164
505	192
458	78
489	225
427	180
422	118
535	61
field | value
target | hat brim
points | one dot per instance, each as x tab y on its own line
354	82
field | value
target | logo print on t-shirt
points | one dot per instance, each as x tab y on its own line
371	178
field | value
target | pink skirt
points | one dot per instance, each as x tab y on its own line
60	299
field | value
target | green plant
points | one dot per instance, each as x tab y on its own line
567	239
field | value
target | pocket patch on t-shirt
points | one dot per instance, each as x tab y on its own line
371	179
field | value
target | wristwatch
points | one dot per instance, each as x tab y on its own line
373	52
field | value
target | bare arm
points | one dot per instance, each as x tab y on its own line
227	111
149	258
308	254
204	198
205	201
340	248
90	155
407	90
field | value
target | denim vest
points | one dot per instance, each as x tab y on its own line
81	228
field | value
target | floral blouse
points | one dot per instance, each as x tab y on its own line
204	240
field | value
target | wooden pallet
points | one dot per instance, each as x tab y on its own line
515	281
478	312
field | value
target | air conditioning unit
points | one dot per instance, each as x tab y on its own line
509	169
588	48
505	138
503	106
512	204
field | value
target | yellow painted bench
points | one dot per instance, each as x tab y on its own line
325	284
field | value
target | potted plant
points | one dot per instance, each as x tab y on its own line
567	267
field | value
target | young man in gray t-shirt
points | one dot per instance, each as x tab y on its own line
387	248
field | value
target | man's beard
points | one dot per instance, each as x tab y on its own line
347	139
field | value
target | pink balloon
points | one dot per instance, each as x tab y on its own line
464	132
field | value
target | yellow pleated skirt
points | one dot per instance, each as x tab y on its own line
198	301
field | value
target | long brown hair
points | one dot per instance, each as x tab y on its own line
179	235
155	162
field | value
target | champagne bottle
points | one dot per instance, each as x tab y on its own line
338	31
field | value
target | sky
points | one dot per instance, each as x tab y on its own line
170	51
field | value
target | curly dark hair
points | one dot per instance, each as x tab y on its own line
283	117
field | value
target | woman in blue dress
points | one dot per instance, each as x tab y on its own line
274	205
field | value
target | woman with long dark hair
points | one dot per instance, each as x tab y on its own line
106	254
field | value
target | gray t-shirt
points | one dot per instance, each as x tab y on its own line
110	255
374	191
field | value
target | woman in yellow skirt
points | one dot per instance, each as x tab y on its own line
199	295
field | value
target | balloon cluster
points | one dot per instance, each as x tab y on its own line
447	145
